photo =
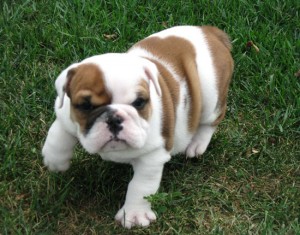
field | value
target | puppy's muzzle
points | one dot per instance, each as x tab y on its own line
114	122
108	116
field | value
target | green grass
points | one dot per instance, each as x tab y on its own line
248	182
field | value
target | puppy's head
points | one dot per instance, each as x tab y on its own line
110	101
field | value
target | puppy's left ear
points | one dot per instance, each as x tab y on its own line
152	74
62	83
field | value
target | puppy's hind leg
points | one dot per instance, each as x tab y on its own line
200	141
58	147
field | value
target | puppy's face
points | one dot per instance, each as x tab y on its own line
111	108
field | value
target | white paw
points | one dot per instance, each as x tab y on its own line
56	165
196	148
200	141
135	216
54	161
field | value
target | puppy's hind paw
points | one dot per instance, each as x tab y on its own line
195	149
200	141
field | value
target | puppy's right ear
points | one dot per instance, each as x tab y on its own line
70	75
62	83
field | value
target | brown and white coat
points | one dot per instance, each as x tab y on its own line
166	95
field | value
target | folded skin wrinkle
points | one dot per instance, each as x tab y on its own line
100	112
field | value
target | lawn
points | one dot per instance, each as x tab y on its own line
248	182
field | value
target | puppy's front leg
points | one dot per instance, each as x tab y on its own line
58	148
146	180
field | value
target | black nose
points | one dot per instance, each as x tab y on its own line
114	122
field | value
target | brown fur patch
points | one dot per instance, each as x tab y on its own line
170	98
144	92
220	47
86	84
180	54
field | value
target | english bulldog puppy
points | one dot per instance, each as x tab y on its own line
165	95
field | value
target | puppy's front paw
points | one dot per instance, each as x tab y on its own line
54	161
56	165
130	216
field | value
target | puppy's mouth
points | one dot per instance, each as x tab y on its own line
115	143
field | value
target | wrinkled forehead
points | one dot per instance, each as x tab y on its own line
125	83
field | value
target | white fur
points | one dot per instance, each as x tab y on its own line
143	145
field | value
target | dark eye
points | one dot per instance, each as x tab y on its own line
85	106
139	103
